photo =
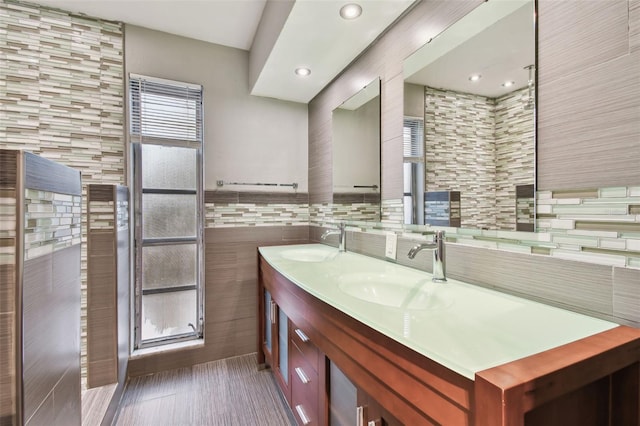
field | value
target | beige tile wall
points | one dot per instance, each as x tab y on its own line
63	96
231	293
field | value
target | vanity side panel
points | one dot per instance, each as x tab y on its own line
625	396
577	383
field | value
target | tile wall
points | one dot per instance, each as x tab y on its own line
109	289
8	311
460	152
40	239
52	222
595	225
515	153
482	147
238	209
64	93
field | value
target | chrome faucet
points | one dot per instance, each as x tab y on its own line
342	231
439	267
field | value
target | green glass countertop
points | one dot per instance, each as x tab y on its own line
463	327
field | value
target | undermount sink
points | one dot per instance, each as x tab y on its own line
396	291
308	255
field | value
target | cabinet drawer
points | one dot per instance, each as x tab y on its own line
306	347
304	389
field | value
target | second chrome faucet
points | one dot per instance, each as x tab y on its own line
342	231
439	265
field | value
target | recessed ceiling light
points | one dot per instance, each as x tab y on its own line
508	83
475	77
350	11
303	72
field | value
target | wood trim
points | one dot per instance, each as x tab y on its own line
410	386
505	393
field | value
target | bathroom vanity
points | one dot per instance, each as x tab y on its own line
356	340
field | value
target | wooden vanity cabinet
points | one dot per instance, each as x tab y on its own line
374	414
274	341
592	382
307	383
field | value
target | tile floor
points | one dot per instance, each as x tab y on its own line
229	392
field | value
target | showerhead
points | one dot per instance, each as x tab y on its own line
530	104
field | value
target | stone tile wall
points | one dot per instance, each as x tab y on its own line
482	147
63	94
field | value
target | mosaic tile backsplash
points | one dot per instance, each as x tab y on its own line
323	213
52	222
255	214
600	226
597	226
482	147
7	226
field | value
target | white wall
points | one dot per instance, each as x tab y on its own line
413	100
247	138
356	147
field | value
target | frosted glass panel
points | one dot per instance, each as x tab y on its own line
167	314
168	167
343	397
283	351
168	266
167	216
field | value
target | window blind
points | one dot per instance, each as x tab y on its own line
164	110
413	140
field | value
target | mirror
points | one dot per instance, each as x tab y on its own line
356	155
469	125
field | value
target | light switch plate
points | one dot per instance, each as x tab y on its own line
392	246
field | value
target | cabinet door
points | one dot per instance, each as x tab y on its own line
351	406
371	413
283	345
280	350
343	399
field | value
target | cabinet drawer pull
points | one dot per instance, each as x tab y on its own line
303	416
303	377
360	416
273	312
301	335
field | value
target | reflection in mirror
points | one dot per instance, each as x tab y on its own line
356	155
469	149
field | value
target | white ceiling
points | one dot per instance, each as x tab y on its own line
495	40
230	23
316	37
313	34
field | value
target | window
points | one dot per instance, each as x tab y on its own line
413	173
166	134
